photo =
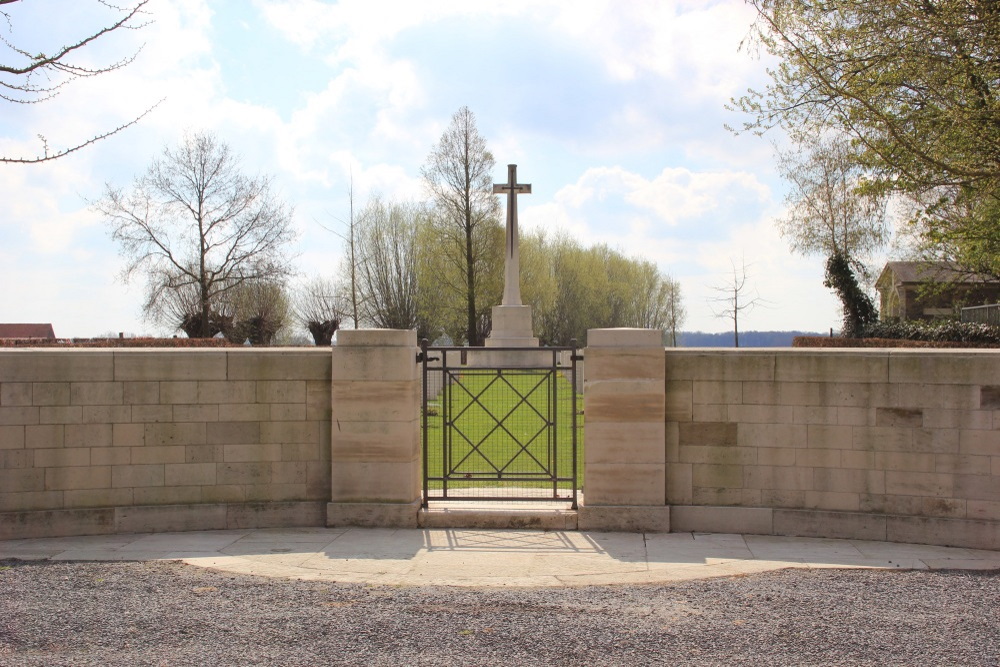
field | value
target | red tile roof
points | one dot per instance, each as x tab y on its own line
26	331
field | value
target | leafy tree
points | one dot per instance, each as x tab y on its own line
259	310
828	211
32	77
194	223
914	84
459	177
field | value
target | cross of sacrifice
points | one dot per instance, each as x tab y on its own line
512	266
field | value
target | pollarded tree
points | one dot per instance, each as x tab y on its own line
459	176
36	75
193	221
319	308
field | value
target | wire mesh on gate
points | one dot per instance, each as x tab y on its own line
500	424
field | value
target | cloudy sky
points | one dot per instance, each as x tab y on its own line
613	111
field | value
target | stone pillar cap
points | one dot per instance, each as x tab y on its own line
376	338
624	337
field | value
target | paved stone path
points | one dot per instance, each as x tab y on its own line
466	557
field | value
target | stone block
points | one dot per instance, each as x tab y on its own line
778	478
624	518
989	397
96	393
772	435
152	414
829	436
128	435
718	392
761	414
20	480
967	533
835	501
375	401
818	458
716	496
976	487
832	525
61	458
720	365
855	365
170	518
289	472
106	414
943	507
13	437
365	482
258	472
98	498
302	451
16	458
726	520
840	480
196	413
624	442
141	393
137	365
14	394
46	365
984	510
50	393
88	435
625	337
203	453
634	363
759	393
373	363
59	414
373	515
19	416
855	416
377	441
43	436
938	441
288	432
280	364
245	412
680	484
962	464
231	433
168	495
275	515
716	455
719	476
678	401
906	483
86	477
110	456
980	420
246	453
968	367
904	461
984	443
776	456
708	413
376	338
318	401
223	493
815	414
25	501
899	417
189	474
168	434
622	401
159	454
50	523
718	434
234	391
129	476
278	492
284	412
180	392
625	484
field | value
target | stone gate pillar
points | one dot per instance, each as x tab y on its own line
375	429
624	398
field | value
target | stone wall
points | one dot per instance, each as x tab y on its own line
96	441
898	445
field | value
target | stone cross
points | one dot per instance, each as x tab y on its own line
512	267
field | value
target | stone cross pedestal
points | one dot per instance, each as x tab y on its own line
512	319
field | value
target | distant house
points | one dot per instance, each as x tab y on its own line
27	331
904	294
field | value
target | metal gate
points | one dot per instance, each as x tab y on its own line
500	424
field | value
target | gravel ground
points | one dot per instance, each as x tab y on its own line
167	613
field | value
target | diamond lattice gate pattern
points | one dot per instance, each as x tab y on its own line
500	424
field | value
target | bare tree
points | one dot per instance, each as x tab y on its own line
734	300
194	221
259	310
459	175
319	309
35	77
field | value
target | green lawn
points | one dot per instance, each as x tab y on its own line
484	445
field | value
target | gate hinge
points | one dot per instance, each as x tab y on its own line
577	357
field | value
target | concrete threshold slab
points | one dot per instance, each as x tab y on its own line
511	515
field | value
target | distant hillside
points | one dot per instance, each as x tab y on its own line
747	338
